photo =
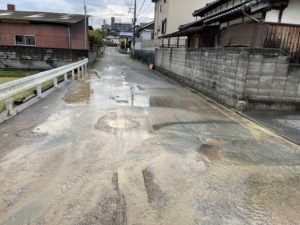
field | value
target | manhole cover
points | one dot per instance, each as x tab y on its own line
30	133
122	124
113	122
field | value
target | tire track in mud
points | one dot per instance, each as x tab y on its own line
111	210
153	190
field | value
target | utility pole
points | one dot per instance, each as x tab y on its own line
85	26
134	27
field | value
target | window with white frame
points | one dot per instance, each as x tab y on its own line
25	40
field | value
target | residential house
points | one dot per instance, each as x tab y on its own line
170	14
42	30
145	37
28	38
126	39
246	23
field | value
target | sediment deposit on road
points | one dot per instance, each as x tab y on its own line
95	154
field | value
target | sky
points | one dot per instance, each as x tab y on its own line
98	9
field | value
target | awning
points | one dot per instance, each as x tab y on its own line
188	31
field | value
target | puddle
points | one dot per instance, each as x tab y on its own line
210	151
79	93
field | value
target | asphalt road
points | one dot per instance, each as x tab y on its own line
91	154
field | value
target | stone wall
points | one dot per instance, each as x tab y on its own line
260	77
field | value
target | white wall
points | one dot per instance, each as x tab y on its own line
272	16
177	12
291	14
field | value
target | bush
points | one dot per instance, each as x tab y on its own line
96	38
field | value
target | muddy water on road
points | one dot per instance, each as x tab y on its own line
95	155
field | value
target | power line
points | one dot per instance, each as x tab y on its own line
145	10
141	7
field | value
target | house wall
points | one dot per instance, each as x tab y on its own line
260	77
177	12
78	36
47	35
291	14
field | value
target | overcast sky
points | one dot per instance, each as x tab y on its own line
99	9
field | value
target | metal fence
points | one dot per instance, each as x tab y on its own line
13	88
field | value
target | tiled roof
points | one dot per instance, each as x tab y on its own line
47	17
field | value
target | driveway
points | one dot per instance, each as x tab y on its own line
133	147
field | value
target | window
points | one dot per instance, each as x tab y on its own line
164	26
25	40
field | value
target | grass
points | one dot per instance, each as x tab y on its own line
16	73
26	94
6	76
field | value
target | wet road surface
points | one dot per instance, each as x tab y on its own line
92	154
284	123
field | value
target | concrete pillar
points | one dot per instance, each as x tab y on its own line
66	76
39	91
55	82
73	74
9	106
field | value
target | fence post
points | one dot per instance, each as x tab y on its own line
39	91
73	74
66	76
55	82
9	106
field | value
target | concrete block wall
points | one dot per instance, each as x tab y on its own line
259	76
32	58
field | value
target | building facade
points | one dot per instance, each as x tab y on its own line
170	14
145	37
43	30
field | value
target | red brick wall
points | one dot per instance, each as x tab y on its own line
47	35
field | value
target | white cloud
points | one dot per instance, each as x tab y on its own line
98	9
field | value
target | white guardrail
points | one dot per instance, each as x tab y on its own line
12	88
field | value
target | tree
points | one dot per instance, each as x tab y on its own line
96	37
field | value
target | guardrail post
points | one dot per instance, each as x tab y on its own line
66	76
78	72
55	82
85	68
9	106
73	74
39	91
